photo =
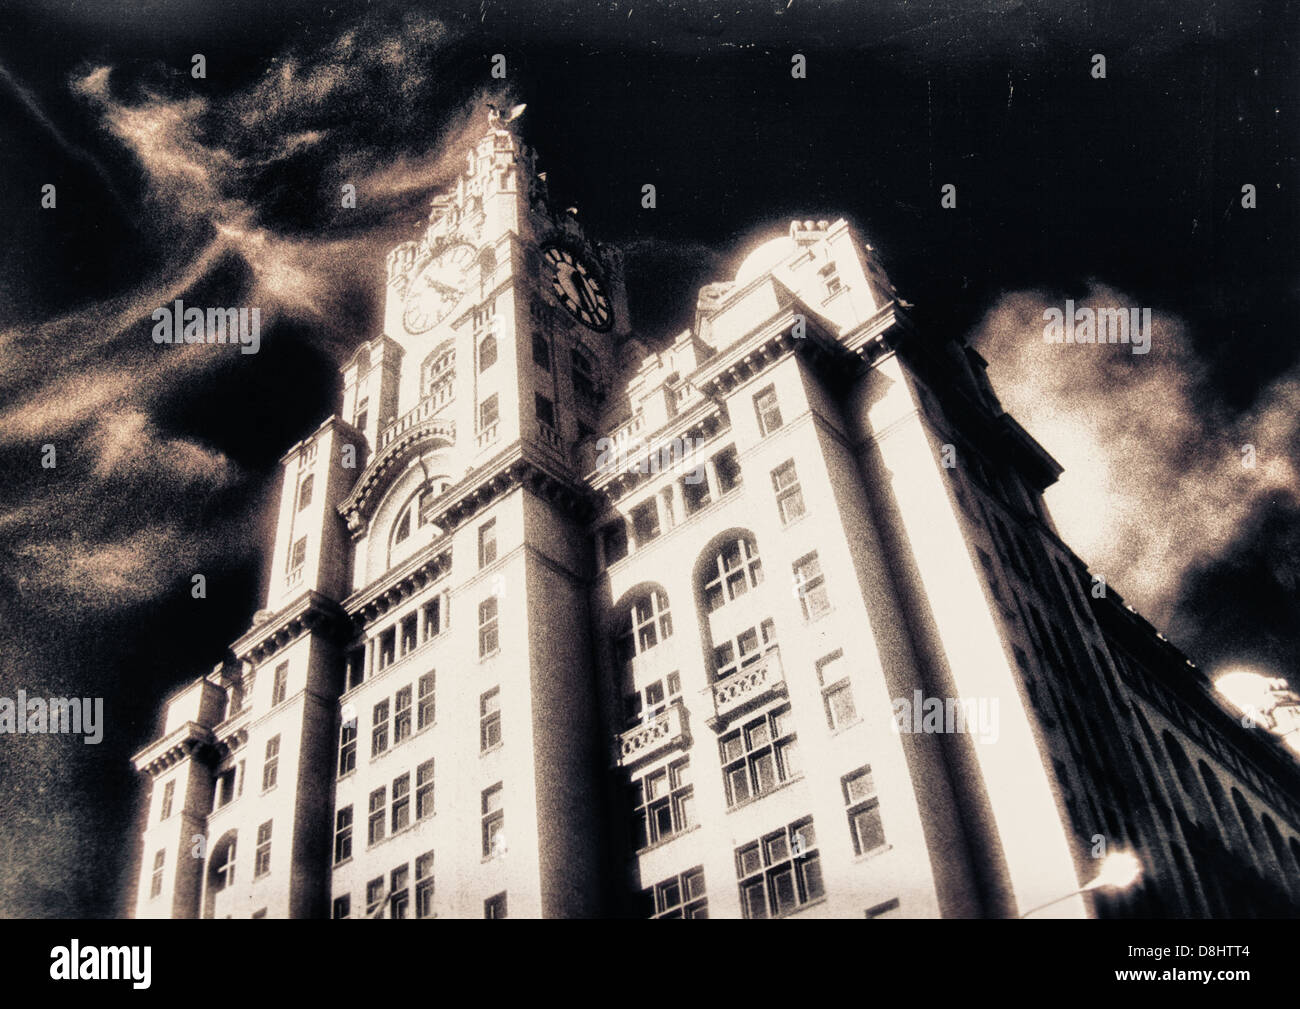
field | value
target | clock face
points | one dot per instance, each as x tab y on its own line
437	289
577	286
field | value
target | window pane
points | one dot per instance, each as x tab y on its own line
764	767
783	890
868	833
754	900
748	860
810	872
738	784
776	848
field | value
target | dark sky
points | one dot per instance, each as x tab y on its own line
224	191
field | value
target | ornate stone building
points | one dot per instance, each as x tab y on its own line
765	619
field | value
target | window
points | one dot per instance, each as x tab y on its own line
736	569
281	685
375	825
356	667
545	409
645	521
401	802
298	555
781	872
863	810
695	495
402	715
726	464
663	803
487	412
655	701
487	626
342	907
379	729
387	647
225	874
374	895
883	909
494	821
541	351
487	352
362	415
262	856
410	632
304	491
811	585
271	767
789	495
343	835
348	747
156	882
837	692
678	896
759	756
768	410
400	895
424	790
644	624
169	792
583	372
614	539
225	787
742	650
489	719
432	619
402	528
424	885
426	710
487	543
495	907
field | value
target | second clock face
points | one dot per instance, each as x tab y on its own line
578	287
437	288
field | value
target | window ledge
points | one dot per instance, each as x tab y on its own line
839	730
490	655
492	749
802	908
346	861
771	791
664	841
867	856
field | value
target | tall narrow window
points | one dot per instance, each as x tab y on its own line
304	491
583	373
789	495
356	667
545	409
541	351
487	626
387	647
494	820
863	811
271	766
424	885
375	824
726	465
402	715
374	895
489	721
379	729
427	709
432	618
487	352
487	412
348	747
262	857
645	521
424	790
695	491
495	907
401	802
410	627
363	415
156	882
280	688
169	792
614	539
487	543
837	693
768	411
298	555
811	583
343	835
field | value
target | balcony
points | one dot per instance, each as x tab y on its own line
425	410
549	437
488	435
747	687
665	731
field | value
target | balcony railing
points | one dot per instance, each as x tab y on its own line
662	732
549	437
414	417
746	687
488	435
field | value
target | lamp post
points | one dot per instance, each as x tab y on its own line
1119	870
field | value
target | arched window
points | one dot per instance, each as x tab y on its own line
487	352
438	367
642	624
1220	800
416	514
221	869
1247	817
1187	778
1275	841
735	569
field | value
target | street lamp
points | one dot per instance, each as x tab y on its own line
1119	870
